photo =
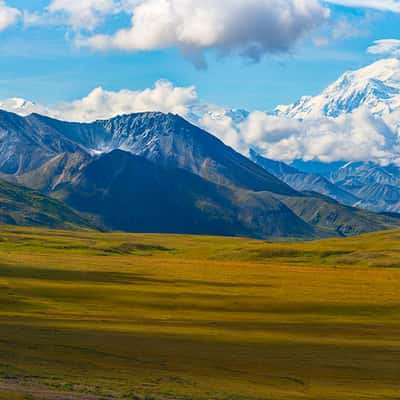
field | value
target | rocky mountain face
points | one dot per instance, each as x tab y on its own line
27	143
164	174
377	187
168	140
364	185
302	181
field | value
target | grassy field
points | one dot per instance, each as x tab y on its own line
118	316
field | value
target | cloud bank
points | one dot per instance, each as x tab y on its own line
251	28
248	28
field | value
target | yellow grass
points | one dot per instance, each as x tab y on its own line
182	317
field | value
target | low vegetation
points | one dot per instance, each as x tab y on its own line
118	316
22	206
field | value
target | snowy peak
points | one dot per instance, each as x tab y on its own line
376	87
21	106
386	70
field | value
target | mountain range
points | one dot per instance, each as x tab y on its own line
364	184
155	172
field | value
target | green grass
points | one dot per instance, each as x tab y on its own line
119	316
22	206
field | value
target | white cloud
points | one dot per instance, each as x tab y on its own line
8	15
102	104
386	46
223	126
80	14
355	136
382	5
250	28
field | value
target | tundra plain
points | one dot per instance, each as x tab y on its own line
88	315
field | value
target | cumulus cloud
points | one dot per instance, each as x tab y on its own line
326	139
8	15
223	126
250	28
386	47
102	104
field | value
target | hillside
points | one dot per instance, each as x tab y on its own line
22	206
330	216
121	316
129	193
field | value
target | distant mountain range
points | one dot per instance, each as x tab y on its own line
359	184
304	181
154	172
363	184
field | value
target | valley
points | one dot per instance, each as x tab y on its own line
86	315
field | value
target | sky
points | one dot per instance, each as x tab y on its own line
59	50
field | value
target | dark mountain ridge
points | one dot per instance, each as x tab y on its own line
126	192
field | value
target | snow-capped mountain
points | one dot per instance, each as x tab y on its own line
376	87
22	107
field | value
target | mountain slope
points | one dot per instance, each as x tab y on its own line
377	187
334	219
171	141
321	211
26	143
126	192
22	206
54	173
376	87
302	181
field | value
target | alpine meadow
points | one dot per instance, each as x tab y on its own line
129	316
199	200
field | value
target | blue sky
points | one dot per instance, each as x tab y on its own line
41	61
